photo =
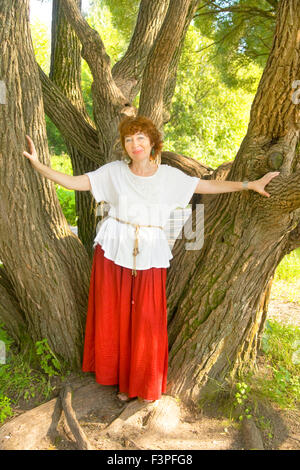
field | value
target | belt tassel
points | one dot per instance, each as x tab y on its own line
135	249
136	240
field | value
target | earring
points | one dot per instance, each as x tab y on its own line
126	159
158	159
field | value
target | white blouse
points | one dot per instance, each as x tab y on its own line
145	200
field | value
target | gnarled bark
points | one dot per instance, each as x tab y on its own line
46	264
65	72
216	295
157	70
10	313
128	71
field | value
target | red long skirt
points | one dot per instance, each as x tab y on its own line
126	341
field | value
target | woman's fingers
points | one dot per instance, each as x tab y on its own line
26	154
266	180
32	152
269	176
259	185
30	144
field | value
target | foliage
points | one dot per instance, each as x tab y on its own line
41	44
281	346
208	120
122	14
286	283
65	196
114	20
280	382
67	202
48	361
5	408
55	141
4	337
242	31
62	163
27	372
289	267
86	83
240	400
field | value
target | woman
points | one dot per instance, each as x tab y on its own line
126	341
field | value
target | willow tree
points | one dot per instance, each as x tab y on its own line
217	295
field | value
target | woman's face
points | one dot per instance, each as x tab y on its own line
138	146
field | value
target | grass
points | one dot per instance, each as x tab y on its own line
289	268
281	348
275	382
286	291
286	283
26	374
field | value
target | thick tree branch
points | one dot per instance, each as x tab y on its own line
65	73
248	12
70	122
285	192
65	70
172	75
158	63
274	95
106	95
90	40
187	164
127	73
294	239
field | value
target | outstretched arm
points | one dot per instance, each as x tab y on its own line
216	187
78	183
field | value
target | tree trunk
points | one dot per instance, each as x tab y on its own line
217	296
47	265
65	73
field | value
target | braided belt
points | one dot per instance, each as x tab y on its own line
136	241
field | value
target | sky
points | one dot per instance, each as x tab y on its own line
43	10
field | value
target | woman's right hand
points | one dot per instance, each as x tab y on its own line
31	155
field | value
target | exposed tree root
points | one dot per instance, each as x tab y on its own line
251	435
35	428
141	420
137	425
81	439
29	430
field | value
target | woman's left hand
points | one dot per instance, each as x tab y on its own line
259	185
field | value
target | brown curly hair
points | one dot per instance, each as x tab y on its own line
132	125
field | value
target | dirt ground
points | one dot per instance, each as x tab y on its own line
285	312
205	429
